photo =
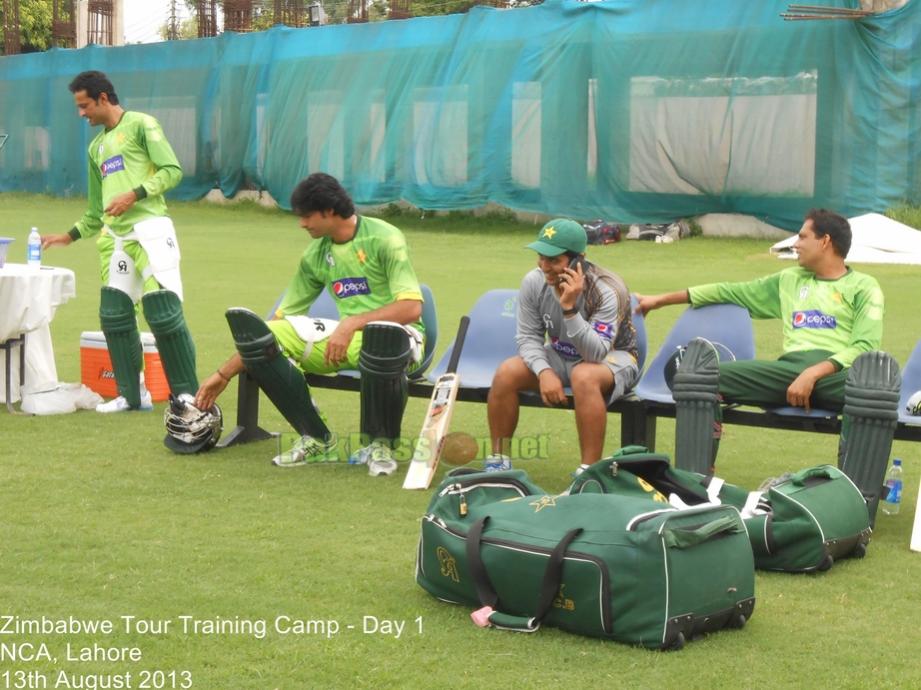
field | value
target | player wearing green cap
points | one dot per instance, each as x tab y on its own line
832	329
131	166
574	329
364	264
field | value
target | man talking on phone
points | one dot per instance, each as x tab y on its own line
574	329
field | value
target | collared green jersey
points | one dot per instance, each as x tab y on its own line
134	153
843	316
368	272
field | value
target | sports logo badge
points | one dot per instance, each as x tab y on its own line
604	329
813	318
566	349
112	165
351	287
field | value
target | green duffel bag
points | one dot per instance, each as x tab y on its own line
622	568
798	523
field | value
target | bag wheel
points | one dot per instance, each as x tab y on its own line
826	563
676	644
859	551
737	621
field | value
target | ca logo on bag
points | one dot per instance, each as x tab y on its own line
448	563
561	601
543	502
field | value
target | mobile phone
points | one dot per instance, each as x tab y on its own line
577	261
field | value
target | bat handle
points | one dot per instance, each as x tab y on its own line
458	344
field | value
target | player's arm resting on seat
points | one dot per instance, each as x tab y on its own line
761	297
646	303
404	311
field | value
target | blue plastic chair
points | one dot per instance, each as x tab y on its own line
726	325
491	340
325	308
911	383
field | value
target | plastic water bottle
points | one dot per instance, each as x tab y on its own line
34	250
894	485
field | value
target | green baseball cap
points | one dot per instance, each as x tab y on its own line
559	236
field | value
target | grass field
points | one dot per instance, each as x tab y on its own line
98	520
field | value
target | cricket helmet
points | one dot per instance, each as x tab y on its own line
913	406
188	429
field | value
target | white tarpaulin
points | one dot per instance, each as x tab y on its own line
876	240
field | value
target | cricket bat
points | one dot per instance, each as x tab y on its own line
916	530
437	419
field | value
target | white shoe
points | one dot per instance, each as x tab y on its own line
119	404
497	463
307	450
378	458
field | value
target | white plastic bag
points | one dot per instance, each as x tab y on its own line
62	399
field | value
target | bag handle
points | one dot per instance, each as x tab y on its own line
486	593
630	450
684	538
821	472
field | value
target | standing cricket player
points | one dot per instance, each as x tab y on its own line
364	265
131	166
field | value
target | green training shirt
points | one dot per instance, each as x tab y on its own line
368	272
843	316
133	154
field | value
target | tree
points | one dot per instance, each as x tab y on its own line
35	24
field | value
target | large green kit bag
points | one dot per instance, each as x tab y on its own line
619	567
801	522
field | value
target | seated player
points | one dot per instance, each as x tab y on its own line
574	329
364	264
832	325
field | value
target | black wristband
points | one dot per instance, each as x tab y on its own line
140	192
74	234
571	312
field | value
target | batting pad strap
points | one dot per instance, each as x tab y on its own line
163	311
714	488
416	339
279	379
120	327
750	509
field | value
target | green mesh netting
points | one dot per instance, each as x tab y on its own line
632	110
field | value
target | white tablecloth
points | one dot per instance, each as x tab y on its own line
28	300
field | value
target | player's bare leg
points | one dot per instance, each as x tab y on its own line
591	385
502	407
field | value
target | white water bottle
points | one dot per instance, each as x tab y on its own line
893	500
34	249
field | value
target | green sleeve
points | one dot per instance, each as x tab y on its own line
302	291
400	274
91	222
867	334
162	157
761	297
